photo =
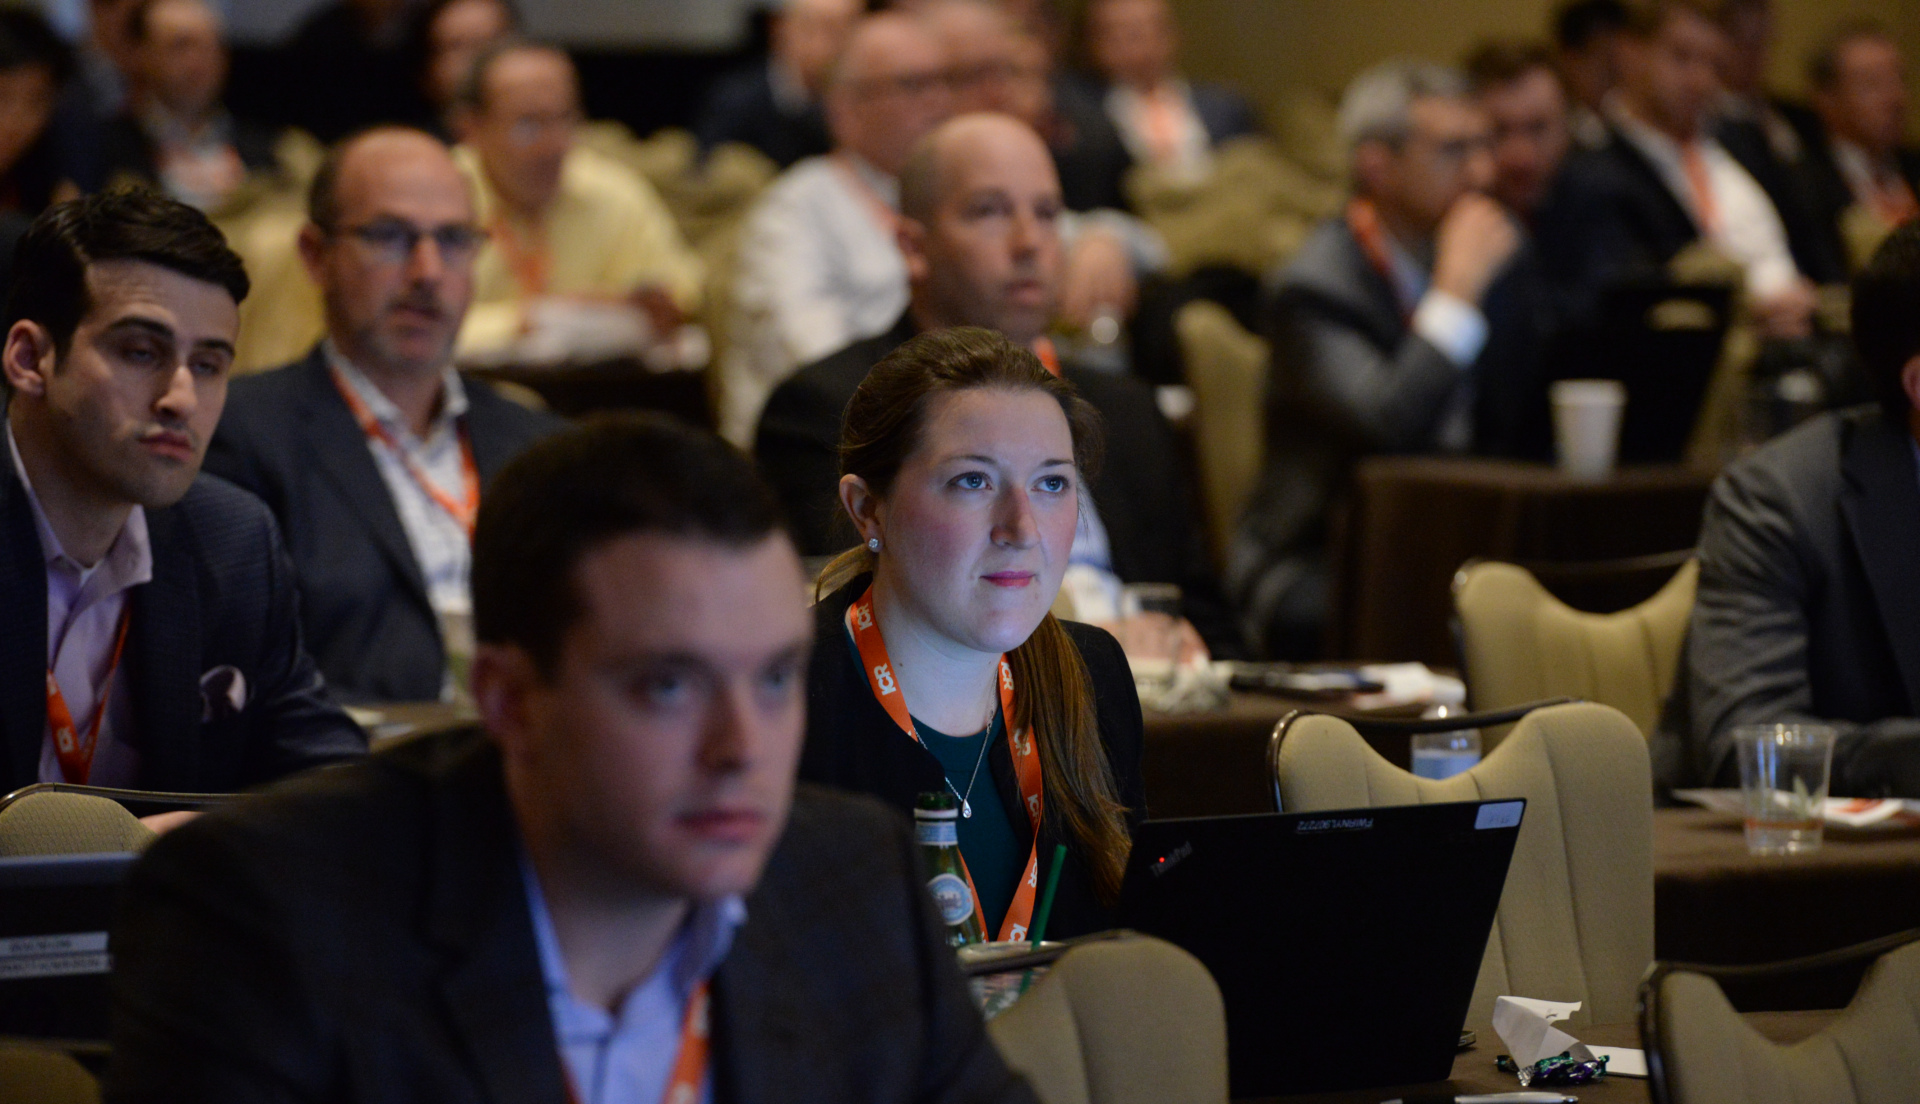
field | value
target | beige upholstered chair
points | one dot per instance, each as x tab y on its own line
1700	1051
1125	1021
69	824
1576	918
1227	370
1522	644
44	1076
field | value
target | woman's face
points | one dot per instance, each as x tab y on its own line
978	525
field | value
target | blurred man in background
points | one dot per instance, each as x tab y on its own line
1862	173
1586	36
1518	88
775	106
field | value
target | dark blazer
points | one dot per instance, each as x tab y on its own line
1092	156
1816	249
287	436
1808	608
1141	489
1614	222
852	744
741	107
363	936
222	596
1831	196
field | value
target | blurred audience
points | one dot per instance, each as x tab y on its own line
106	56
980	232
372	451
1862	167
176	133
1586	38
1526	103
33	172
564	222
346	68
1394	330
1137	102
1809	607
1663	182
442	43
818	263
149	603
775	106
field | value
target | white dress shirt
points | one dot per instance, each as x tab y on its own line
1187	152
1745	226
84	605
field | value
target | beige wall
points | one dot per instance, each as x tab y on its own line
1270	47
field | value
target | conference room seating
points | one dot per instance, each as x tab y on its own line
1520	643
1227	370
1576	918
44	1076
1701	1051
56	823
1132	1020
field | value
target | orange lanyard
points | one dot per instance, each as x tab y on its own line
1026	758
464	509
1893	200
689	1069
1700	183
1162	124
882	212
531	264
1363	218
1049	356
74	752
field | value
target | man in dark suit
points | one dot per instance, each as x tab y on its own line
1809	602
1860	167
541	911
1136	108
774	106
1406	326
982	249
372	450
151	639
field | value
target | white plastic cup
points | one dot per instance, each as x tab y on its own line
1586	425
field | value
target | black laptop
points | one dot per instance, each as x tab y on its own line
1345	944
55	911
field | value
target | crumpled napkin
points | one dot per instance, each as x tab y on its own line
1196	688
1525	1025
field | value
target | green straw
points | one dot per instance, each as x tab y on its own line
1046	897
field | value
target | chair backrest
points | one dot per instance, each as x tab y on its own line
1700	1051
1227	370
1521	643
44	1076
51	823
1576	917
1125	1021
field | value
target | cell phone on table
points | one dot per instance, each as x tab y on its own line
1289	680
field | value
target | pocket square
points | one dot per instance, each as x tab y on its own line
223	693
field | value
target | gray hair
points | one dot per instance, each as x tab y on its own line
1378	104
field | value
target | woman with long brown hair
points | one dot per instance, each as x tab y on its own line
938	666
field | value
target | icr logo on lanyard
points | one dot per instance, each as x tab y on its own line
1026	759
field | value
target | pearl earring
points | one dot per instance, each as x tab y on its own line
873	544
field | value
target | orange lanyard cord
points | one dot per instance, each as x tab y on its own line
690	1066
1363	219
463	510
74	752
867	640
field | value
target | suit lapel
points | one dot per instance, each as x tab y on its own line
164	653
757	1056
339	448
493	992
1882	506
23	646
1679	220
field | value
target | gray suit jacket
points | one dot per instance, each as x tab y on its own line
1809	607
362	935
287	436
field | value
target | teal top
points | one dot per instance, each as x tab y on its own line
987	839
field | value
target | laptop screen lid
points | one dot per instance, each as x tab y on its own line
55	912
1346	944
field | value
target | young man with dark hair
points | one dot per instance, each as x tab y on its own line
540	908
152	640
1809	604
1863	175
1521	92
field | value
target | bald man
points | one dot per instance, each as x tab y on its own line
981	238
371	451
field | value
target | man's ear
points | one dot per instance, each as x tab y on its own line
1372	165
312	242
503	679
911	235
28	358
862	505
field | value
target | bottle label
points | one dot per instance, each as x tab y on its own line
951	897
936	833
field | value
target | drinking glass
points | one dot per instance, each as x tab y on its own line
1784	772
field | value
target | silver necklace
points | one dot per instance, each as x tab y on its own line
966	806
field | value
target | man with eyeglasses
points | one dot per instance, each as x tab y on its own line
371	451
1403	325
564	222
